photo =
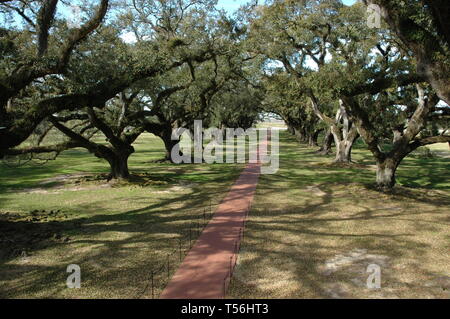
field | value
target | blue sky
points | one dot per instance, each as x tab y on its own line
232	5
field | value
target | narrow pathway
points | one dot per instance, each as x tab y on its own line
205	270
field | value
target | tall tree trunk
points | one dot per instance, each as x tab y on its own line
344	141
164	132
118	165
344	137
299	135
343	151
343	130
291	129
386	170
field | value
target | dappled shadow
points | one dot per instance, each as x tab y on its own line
20	235
292	240
302	251
298	238
438	199
110	263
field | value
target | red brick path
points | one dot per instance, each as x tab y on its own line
203	273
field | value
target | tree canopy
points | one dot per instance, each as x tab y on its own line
138	66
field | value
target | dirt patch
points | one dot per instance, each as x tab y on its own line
66	188
354	265
174	189
402	193
354	260
62	178
21	234
66	182
83	182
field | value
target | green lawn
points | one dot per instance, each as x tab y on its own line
117	233
271	125
314	228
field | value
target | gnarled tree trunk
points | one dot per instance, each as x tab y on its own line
169	144
326	145
119	166
344	132
406	138
299	135
344	145
344	137
386	170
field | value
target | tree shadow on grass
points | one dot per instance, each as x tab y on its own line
288	244
140	239
301	243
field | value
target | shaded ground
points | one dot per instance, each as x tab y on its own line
65	213
315	228
21	234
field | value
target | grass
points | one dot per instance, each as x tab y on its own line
314	228
271	125
51	216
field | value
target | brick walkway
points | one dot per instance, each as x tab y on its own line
204	270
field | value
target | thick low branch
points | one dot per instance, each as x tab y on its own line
44	149
316	109
80	34
28	72
427	45
96	96
428	141
102	126
382	84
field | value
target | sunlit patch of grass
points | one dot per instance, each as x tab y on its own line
272	125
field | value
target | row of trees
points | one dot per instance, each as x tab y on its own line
184	63
327	71
317	64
